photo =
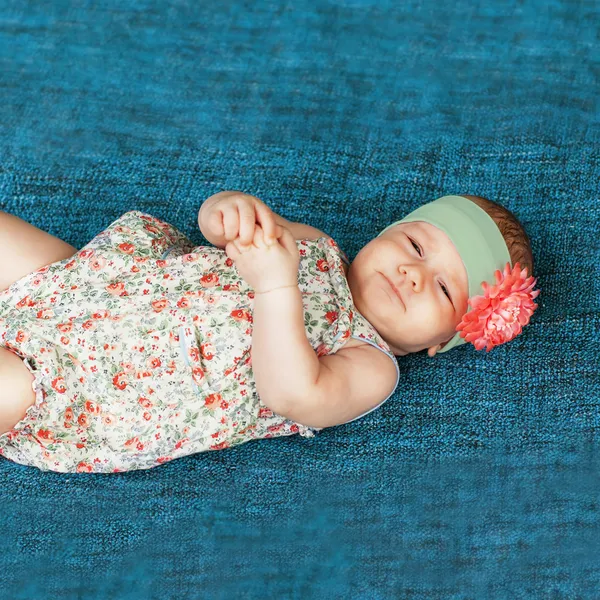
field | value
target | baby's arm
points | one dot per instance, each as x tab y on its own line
293	382
285	366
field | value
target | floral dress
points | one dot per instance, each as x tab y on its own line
139	345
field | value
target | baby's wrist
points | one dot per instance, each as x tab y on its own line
260	293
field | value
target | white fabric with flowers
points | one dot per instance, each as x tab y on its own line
139	346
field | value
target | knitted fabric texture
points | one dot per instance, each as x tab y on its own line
479	477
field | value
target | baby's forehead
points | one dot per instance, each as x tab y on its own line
430	236
431	232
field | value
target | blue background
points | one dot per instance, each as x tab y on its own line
480	477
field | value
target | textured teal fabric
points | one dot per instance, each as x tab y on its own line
479	477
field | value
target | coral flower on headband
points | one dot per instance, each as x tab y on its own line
500	314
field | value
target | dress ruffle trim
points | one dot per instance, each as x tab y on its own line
25	425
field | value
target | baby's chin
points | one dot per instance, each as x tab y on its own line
400	352
394	349
397	351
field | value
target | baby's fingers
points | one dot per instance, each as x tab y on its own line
247	219
266	218
231	225
231	250
276	236
288	241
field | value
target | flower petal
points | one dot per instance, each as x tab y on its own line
499	314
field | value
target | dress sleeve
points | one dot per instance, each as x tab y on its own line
142	234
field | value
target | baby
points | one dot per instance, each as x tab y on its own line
141	348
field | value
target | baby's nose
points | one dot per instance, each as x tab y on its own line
414	276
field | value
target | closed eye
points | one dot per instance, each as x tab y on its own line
420	251
416	246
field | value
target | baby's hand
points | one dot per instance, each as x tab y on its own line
235	215
264	267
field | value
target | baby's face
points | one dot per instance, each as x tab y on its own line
423	316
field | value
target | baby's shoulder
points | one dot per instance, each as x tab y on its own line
369	359
355	343
355	380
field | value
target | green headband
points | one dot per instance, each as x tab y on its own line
474	234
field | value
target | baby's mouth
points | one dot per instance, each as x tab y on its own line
395	290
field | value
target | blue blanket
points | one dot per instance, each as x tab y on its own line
479	477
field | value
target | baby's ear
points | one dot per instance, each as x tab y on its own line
433	350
